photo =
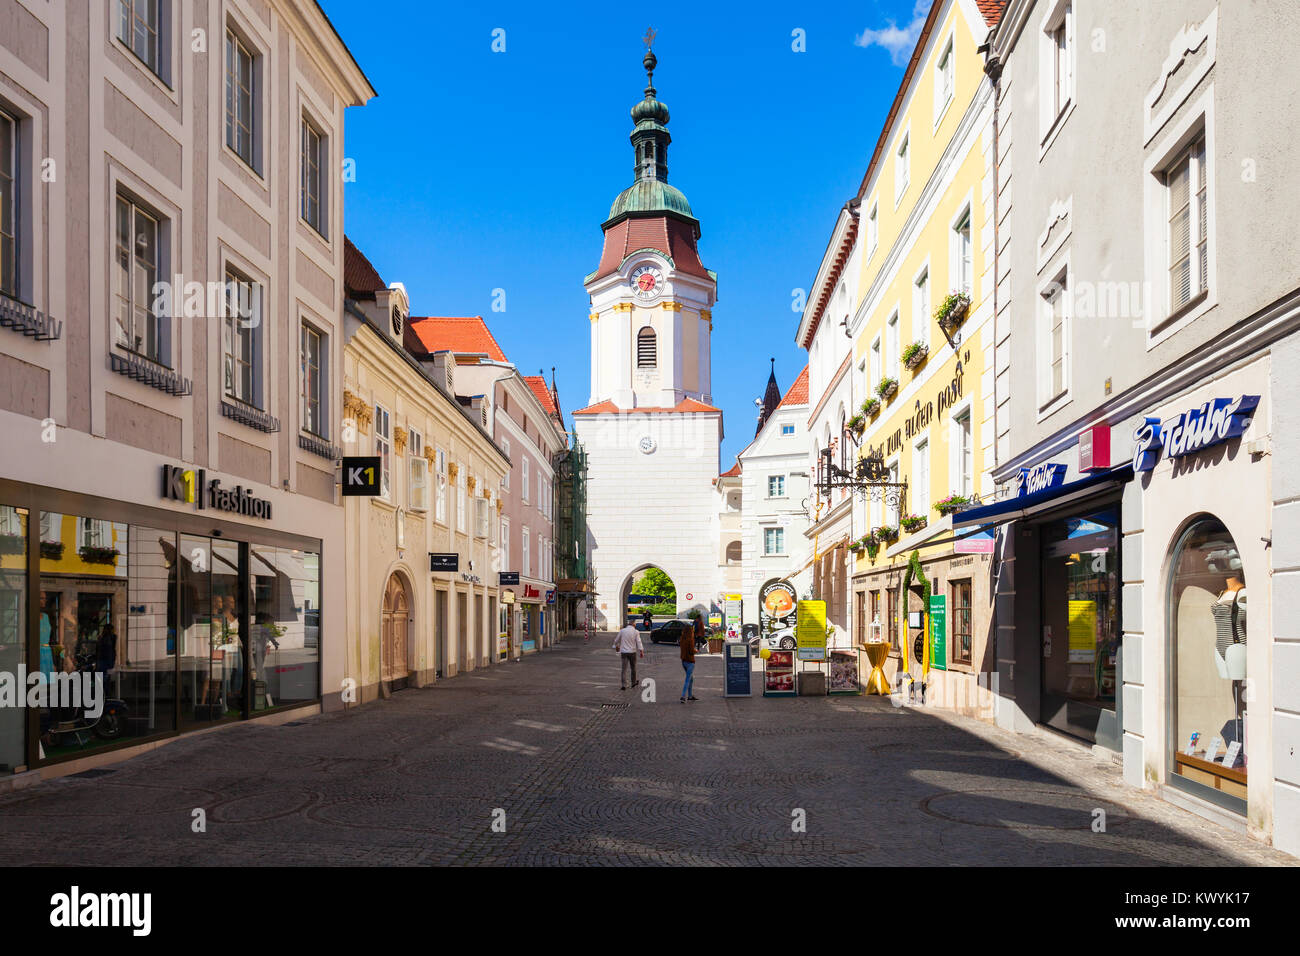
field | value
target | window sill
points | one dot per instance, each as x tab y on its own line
154	76
249	415
318	445
1197	306
1053	405
1055	129
243	162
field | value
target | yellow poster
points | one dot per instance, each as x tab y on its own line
810	630
1083	632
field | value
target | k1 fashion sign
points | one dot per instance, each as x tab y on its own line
1194	430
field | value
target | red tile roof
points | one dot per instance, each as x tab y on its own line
992	10
672	237
538	384
462	335
360	278
609	408
797	394
731	472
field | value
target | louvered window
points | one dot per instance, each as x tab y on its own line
1186	181
646	349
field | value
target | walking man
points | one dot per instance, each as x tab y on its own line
628	644
687	643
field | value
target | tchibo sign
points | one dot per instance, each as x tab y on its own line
1194	430
192	485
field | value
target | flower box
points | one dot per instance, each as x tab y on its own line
857	423
887	387
12	543
886	534
913	523
951	505
52	550
952	311
871	406
93	555
915	354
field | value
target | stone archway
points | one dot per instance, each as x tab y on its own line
394	640
626	590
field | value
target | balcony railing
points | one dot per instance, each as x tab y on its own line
250	416
319	446
24	318
149	373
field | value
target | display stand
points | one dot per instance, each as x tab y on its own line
778	674
877	654
737	668
845	672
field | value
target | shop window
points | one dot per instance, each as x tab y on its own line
283	648
1209	726
13	636
960	614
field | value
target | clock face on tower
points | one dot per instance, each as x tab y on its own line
647	281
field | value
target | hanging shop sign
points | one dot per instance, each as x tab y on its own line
810	630
507	597
194	486
1041	477
1094	448
507	577
1194	430
362	475
444	562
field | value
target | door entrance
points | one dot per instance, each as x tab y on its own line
396	616
440	632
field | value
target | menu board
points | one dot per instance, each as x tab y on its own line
737	671
778	676
844	673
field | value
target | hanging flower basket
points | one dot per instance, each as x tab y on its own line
951	505
856	545
871	406
912	523
915	354
872	548
98	555
952	311
857	423
887	534
52	550
887	387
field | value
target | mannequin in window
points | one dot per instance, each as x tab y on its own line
1229	612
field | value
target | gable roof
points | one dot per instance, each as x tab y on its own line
731	472
992	10
538	384
461	335
797	394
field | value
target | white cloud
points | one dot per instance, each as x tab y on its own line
899	41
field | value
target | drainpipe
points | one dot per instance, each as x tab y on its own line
993	70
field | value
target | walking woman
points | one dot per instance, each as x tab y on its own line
687	643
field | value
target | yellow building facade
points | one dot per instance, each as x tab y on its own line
923	334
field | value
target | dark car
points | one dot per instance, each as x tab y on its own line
670	632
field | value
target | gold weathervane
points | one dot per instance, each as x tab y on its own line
649	37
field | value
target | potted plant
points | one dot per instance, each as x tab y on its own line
951	505
887	534
856	545
871	406
915	354
952	310
912	523
887	387
857	423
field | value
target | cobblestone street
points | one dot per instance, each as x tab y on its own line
588	774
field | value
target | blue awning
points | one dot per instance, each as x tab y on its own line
1025	506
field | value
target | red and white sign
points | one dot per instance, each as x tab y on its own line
1094	448
531	592
690	597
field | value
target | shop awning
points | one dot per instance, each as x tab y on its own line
1026	506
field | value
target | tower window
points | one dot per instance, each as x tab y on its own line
646	348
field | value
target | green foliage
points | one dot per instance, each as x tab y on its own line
653	581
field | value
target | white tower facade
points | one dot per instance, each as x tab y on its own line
651	434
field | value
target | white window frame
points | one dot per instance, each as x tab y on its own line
773	534
777	482
902	164
873	229
417	483
236	330
306	395
1196	121
919	487
481	518
922	303
892	512
944	93
158	59
877	369
1056	70
462	509
525	558
893	346
11	180
961	481
1060	283
440	489
960	263
787	430
150	311
505	479
505	543
384	449
313	164
524	480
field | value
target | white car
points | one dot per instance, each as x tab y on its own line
781	639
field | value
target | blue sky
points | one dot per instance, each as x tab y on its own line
479	170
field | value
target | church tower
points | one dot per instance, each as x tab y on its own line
651	433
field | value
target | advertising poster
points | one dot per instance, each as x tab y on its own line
778	675
844	673
734	604
939	632
776	606
810	630
1083	632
